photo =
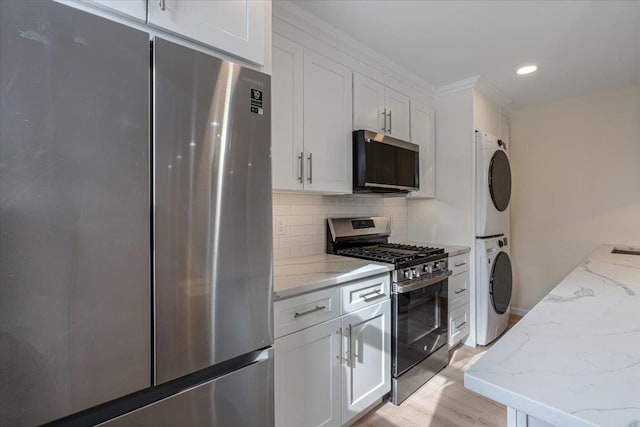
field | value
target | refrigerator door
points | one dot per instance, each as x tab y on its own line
74	211
240	398
212	210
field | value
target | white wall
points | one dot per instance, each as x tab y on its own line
448	219
576	176
305	219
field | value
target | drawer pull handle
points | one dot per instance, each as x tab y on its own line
459	291
372	295
313	310
461	325
460	264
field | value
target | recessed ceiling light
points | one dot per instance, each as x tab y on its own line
527	69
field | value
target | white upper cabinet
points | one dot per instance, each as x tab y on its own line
423	134
233	26
287	149
368	104
311	120
397	114
327	125
380	109
134	8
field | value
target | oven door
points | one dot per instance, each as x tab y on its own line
419	324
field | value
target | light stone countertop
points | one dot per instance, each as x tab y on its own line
298	275
574	359
452	250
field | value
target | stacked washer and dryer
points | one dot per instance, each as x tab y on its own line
493	266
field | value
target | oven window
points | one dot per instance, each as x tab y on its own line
391	165
420	325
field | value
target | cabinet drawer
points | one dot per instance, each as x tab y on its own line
458	325
458	290
294	314
364	293
459	263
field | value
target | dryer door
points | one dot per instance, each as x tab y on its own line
500	180
500	283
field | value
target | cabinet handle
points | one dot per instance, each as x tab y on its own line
310	158
163	5
372	295
313	310
301	158
461	264
459	291
384	119
460	326
389	121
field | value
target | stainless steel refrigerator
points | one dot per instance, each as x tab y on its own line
135	227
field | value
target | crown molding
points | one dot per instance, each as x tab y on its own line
304	21
480	84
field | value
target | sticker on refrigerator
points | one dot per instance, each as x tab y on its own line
256	101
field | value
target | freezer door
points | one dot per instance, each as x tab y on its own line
240	398
74	211
212	210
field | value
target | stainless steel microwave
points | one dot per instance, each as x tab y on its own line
382	164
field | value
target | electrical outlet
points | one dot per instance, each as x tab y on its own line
281	229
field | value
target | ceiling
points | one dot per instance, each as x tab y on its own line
580	47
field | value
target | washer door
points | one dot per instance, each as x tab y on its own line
500	283
500	180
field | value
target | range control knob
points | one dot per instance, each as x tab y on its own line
416	272
407	274
428	268
441	265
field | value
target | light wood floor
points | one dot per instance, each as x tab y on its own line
443	401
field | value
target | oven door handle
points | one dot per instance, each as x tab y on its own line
401	289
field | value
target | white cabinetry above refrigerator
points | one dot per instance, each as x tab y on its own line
236	27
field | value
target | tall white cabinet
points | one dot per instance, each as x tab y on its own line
327	124
311	130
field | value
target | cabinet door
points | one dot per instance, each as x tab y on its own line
307	377
327	125
397	114
366	372
287	152
134	8
368	104
234	26
423	134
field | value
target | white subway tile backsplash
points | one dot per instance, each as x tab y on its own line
305	219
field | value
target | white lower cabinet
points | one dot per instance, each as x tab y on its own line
366	370
307	376
327	374
459	324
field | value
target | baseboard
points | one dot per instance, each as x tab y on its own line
518	311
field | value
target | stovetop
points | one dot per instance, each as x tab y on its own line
397	254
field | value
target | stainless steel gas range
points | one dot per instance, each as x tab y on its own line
419	297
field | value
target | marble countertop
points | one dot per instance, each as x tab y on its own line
452	250
294	276
574	359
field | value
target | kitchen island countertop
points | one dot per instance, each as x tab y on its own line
298	275
574	359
